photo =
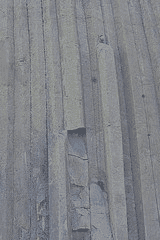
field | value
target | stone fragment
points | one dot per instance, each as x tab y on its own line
76	145
100	225
80	219
79	196
79	235
78	171
57	189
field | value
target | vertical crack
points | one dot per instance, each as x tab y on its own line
29	41
46	150
13	98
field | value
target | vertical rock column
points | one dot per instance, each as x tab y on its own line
57	188
110	30
99	214
39	215
113	141
95	28
72	92
55	134
149	90
22	124
70	62
6	118
137	91
87	90
89	26
77	166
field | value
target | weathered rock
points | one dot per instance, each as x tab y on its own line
78	171
80	219
79	119
113	140
79	196
70	62
57	189
76	145
100	223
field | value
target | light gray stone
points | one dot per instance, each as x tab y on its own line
57	188
56	74
135	84
70	62
4	70
37	117
100	224
79	196
76	146
80	219
53	70
78	171
113	140
87	89
22	121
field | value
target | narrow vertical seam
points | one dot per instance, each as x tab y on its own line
46	90
13	118
29	41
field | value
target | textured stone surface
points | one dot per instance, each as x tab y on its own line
113	140
78	171
100	223
79	196
80	219
70	62
79	119
57	189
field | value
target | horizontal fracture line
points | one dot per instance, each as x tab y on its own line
77	156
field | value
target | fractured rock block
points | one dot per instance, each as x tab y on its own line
80	219
78	171
79	196
76	143
100	225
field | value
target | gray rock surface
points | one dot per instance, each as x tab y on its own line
79	120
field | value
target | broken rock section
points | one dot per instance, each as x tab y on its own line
77	167
88	213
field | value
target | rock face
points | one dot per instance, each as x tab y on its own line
80	120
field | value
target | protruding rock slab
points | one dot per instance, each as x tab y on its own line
113	141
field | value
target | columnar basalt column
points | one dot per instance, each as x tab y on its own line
113	140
